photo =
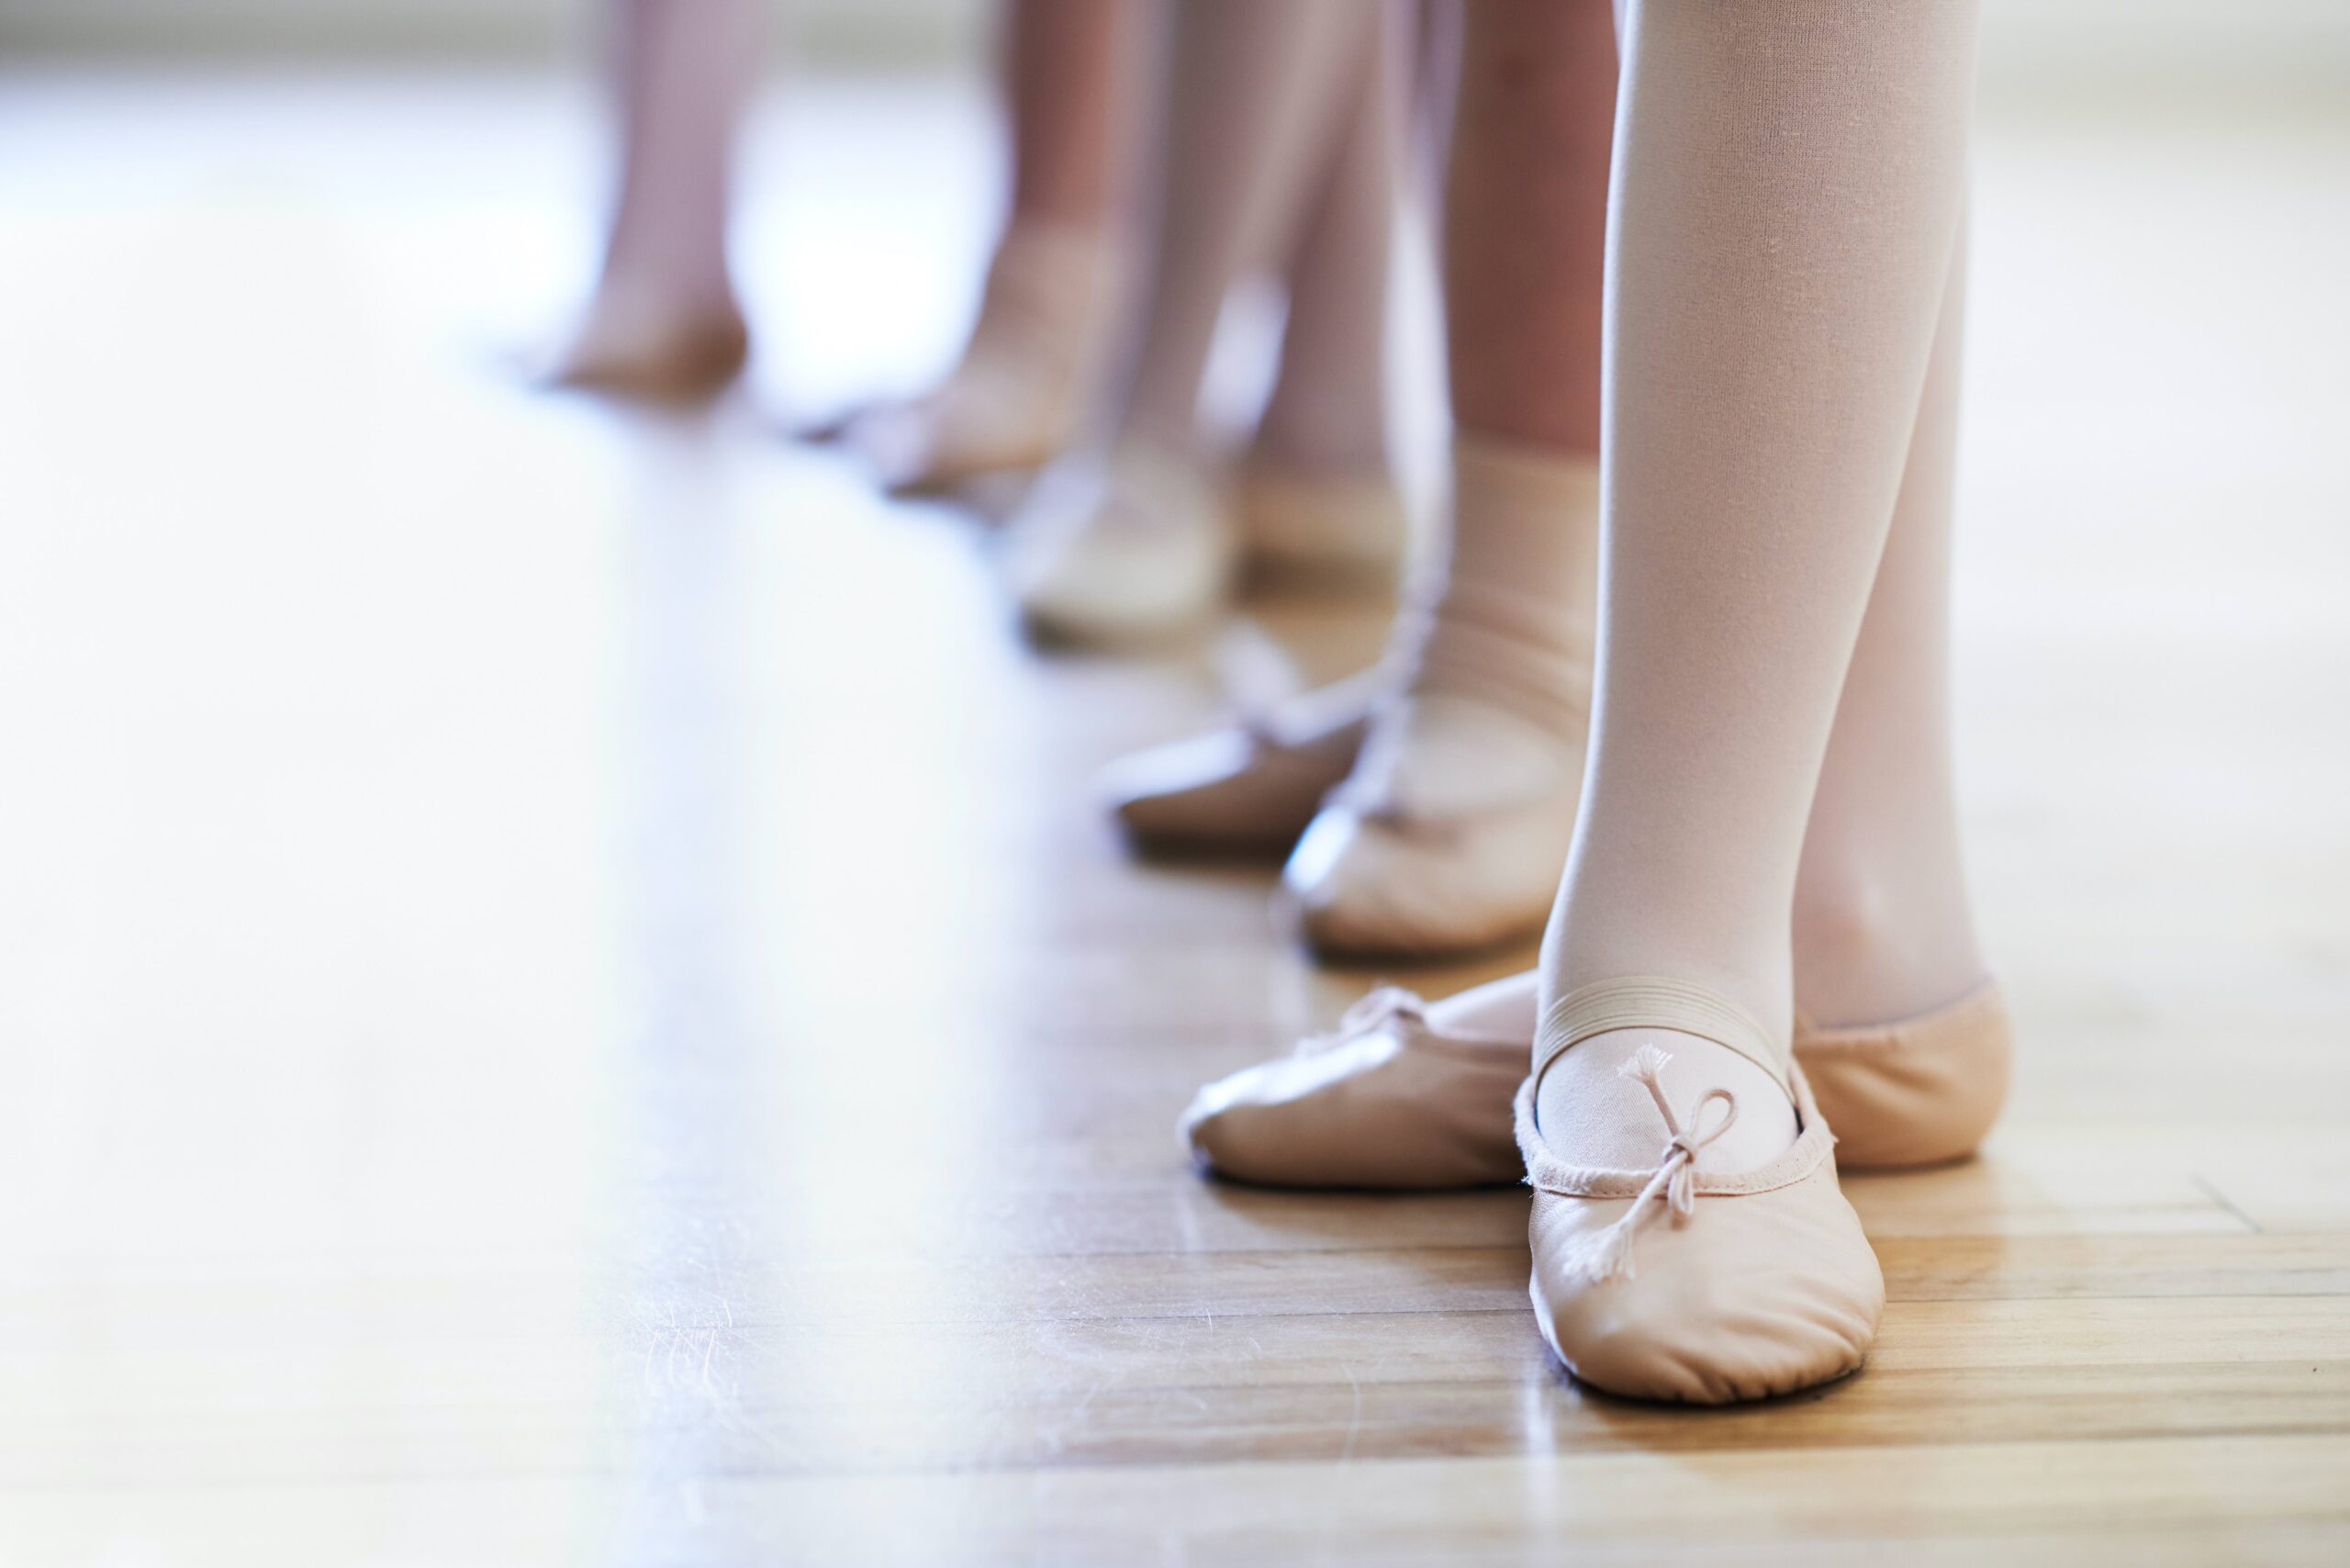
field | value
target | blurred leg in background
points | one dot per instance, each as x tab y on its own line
664	321
1453	820
1448	832
1905	1043
1277	154
1071	74
1314	496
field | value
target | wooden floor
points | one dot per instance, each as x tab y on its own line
566	999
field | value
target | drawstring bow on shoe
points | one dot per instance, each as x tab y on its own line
1384	1006
1607	1254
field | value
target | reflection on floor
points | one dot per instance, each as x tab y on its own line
568	1000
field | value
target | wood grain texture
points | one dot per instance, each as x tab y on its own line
568	1000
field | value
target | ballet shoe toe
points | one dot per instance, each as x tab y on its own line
1379	885
1359	887
1104	591
1283	1123
1145	555
1387	1101
1231	790
1447	837
1680	1282
1750	1296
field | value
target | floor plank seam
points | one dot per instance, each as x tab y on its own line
2228	1203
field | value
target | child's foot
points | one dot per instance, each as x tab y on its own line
636	343
1129	549
1249	788
1451	831
1915	1092
1689	1239
1447	837
1016	400
1402	1094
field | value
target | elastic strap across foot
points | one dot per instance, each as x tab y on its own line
1655	1002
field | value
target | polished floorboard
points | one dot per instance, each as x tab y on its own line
565	998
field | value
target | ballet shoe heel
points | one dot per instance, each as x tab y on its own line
1920	1092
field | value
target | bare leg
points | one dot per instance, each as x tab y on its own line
1774	302
664	318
